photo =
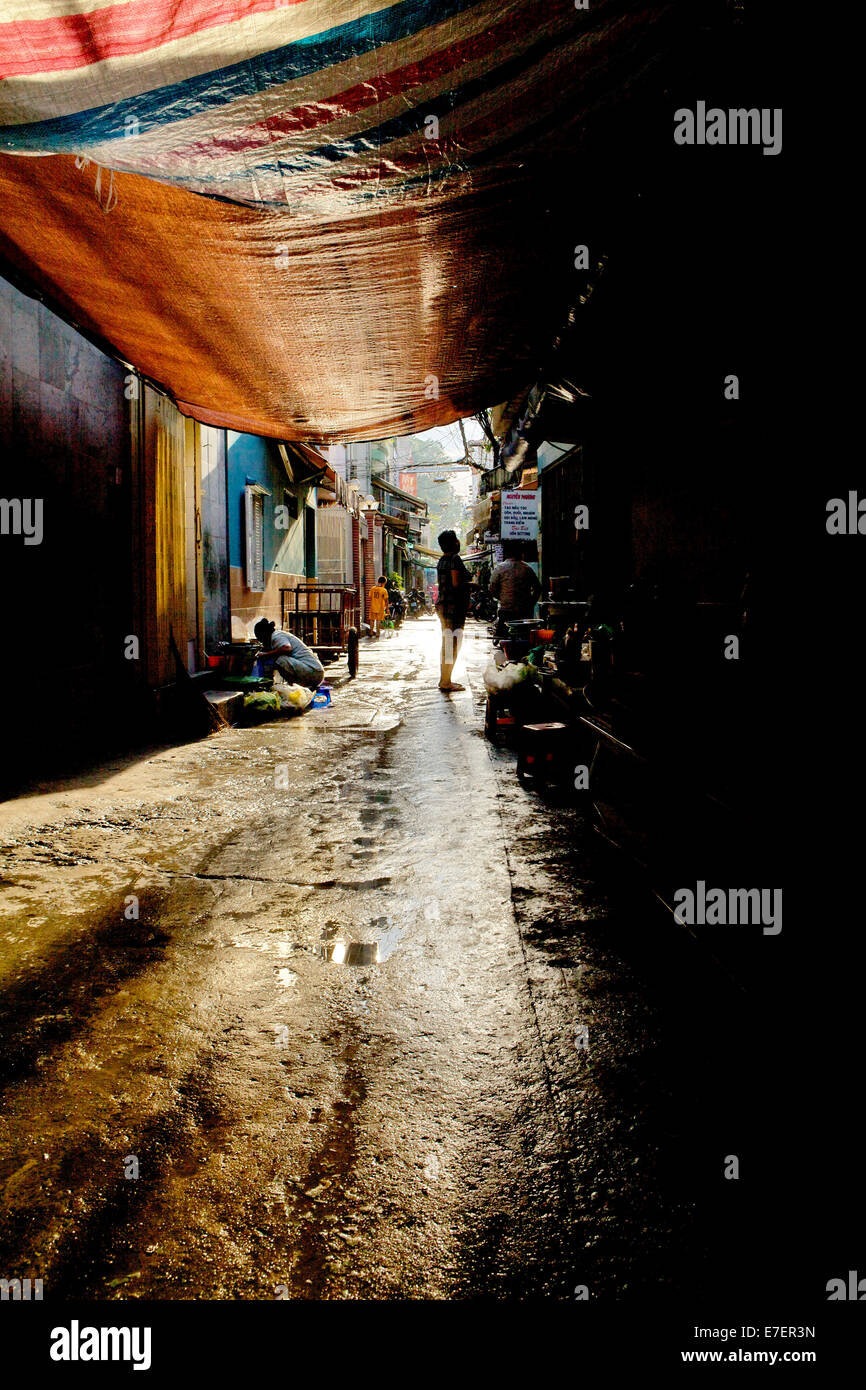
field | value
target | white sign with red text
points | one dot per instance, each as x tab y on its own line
519	515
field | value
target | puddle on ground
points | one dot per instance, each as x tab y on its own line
362	952
384	723
351	952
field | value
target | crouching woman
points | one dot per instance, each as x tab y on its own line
294	661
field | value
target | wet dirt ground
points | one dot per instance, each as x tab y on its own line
334	1008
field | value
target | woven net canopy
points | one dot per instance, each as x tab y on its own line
316	220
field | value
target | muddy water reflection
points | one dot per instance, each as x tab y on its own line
341	952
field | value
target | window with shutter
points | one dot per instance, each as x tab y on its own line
254	512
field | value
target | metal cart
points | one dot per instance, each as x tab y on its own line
326	617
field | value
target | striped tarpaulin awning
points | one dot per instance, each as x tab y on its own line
312	104
362	164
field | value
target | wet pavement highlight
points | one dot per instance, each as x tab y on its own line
395	1032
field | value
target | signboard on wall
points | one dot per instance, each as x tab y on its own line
519	515
409	483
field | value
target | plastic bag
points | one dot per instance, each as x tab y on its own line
258	707
295	698
506	678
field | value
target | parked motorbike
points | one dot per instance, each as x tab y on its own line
418	604
483	606
397	608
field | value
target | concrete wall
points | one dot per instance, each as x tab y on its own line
693	515
214	535
64	440
673	509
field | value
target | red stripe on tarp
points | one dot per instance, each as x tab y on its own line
327	109
452	147
352	179
77	40
341	344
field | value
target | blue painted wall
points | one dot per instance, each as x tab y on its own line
255	460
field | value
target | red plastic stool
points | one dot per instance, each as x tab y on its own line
501	724
542	752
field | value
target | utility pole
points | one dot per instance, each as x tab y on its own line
466	457
483	419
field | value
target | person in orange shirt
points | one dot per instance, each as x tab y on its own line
378	604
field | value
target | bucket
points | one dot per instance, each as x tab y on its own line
322	697
514	650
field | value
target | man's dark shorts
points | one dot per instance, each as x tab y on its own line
450	617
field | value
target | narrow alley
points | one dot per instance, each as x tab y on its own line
343	981
338	1049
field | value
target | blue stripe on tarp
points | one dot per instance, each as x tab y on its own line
442	105
393	129
194	95
389	189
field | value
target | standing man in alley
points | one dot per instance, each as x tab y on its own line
452	605
515	586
